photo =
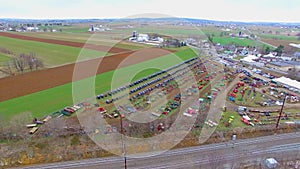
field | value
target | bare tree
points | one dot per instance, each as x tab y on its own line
17	123
7	69
19	63
31	60
38	64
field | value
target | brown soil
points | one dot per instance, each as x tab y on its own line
12	87
285	43
66	43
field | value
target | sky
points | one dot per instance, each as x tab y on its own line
225	10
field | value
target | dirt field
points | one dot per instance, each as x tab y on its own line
285	43
12	87
66	43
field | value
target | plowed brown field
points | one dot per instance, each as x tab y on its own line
66	43
12	87
285	43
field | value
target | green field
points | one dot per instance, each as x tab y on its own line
47	101
4	58
50	54
279	37
237	41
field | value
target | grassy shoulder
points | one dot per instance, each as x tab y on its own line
51	100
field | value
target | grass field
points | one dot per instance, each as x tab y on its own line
237	41
51	54
47	101
4	58
279	37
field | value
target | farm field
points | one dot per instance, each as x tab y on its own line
279	37
285	43
53	99
237	41
50	54
66	43
48	78
105	39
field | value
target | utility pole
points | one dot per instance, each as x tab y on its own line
123	144
280	113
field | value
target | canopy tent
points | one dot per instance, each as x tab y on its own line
270	55
295	45
287	81
250	58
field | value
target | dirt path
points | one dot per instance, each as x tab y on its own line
66	43
12	87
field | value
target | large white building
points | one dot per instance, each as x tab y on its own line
142	38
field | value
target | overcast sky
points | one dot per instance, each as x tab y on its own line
228	10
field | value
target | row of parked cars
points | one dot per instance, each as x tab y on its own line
143	86
67	111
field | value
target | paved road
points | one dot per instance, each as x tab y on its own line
223	155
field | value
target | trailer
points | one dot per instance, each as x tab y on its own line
155	114
31	125
47	119
33	130
187	114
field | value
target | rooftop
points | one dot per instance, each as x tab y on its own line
280	64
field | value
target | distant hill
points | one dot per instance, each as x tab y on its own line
170	19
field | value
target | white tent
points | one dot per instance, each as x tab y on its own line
270	55
295	45
249	58
287	81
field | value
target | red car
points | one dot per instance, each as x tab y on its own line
165	113
67	109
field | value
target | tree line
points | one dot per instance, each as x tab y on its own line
21	62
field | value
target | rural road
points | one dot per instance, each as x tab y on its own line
223	155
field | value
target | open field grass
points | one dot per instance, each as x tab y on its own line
237	41
51	54
47	101
4	58
279	37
